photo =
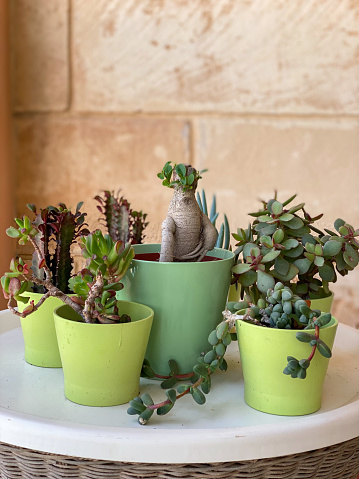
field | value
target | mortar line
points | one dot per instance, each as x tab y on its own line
187	114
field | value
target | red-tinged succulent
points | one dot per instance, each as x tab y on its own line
95	286
122	223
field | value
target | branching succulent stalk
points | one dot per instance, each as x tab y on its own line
200	378
122	223
282	244
58	229
282	309
95	286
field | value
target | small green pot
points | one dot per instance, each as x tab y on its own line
102	362
39	333
234	292
323	304
264	354
188	300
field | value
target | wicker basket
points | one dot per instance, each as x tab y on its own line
340	461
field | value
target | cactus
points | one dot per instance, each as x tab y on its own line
95	286
223	238
58	229
121	222
283	245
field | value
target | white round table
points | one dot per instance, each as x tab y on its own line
35	414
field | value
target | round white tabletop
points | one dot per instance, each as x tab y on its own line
35	414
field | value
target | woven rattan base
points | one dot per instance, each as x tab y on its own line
340	461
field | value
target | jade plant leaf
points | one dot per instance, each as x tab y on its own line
264	281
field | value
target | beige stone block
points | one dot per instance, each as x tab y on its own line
216	55
73	159
40	60
249	159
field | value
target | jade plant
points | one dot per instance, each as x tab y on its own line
284	245
58	229
282	309
122	223
95	286
223	238
199	380
187	233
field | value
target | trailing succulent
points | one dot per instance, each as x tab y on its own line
200	378
282	244
122	223
58	228
223	238
95	286
283	309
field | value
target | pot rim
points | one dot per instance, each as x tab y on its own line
189	263
331	324
149	316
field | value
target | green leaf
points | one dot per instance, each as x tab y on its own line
292	273
323	349
267	240
289	200
220	349
210	356
332	248
338	223
248	278
13	232
326	272
286	217
146	399
319	261
278	236
182	388
281	266
295	252
168	383
264	281
276	208
212	338
351	256
161	411
198	396
295	223
303	265
304	337
241	268
270	256
222	329
290	243
201	370
181	170
247	249
173	367
206	385
172	395
308	238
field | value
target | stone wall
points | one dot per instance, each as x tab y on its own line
263	93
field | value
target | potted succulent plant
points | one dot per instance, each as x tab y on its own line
122	223
184	279
280	339
102	341
284	245
55	229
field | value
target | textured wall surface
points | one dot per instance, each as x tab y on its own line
263	93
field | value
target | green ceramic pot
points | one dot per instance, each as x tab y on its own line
39	333
102	362
324	304
188	300
264	354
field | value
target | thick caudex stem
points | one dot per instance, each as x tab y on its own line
187	233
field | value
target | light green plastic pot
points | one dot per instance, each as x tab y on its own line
102	362
39	333
264	354
188	300
323	304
